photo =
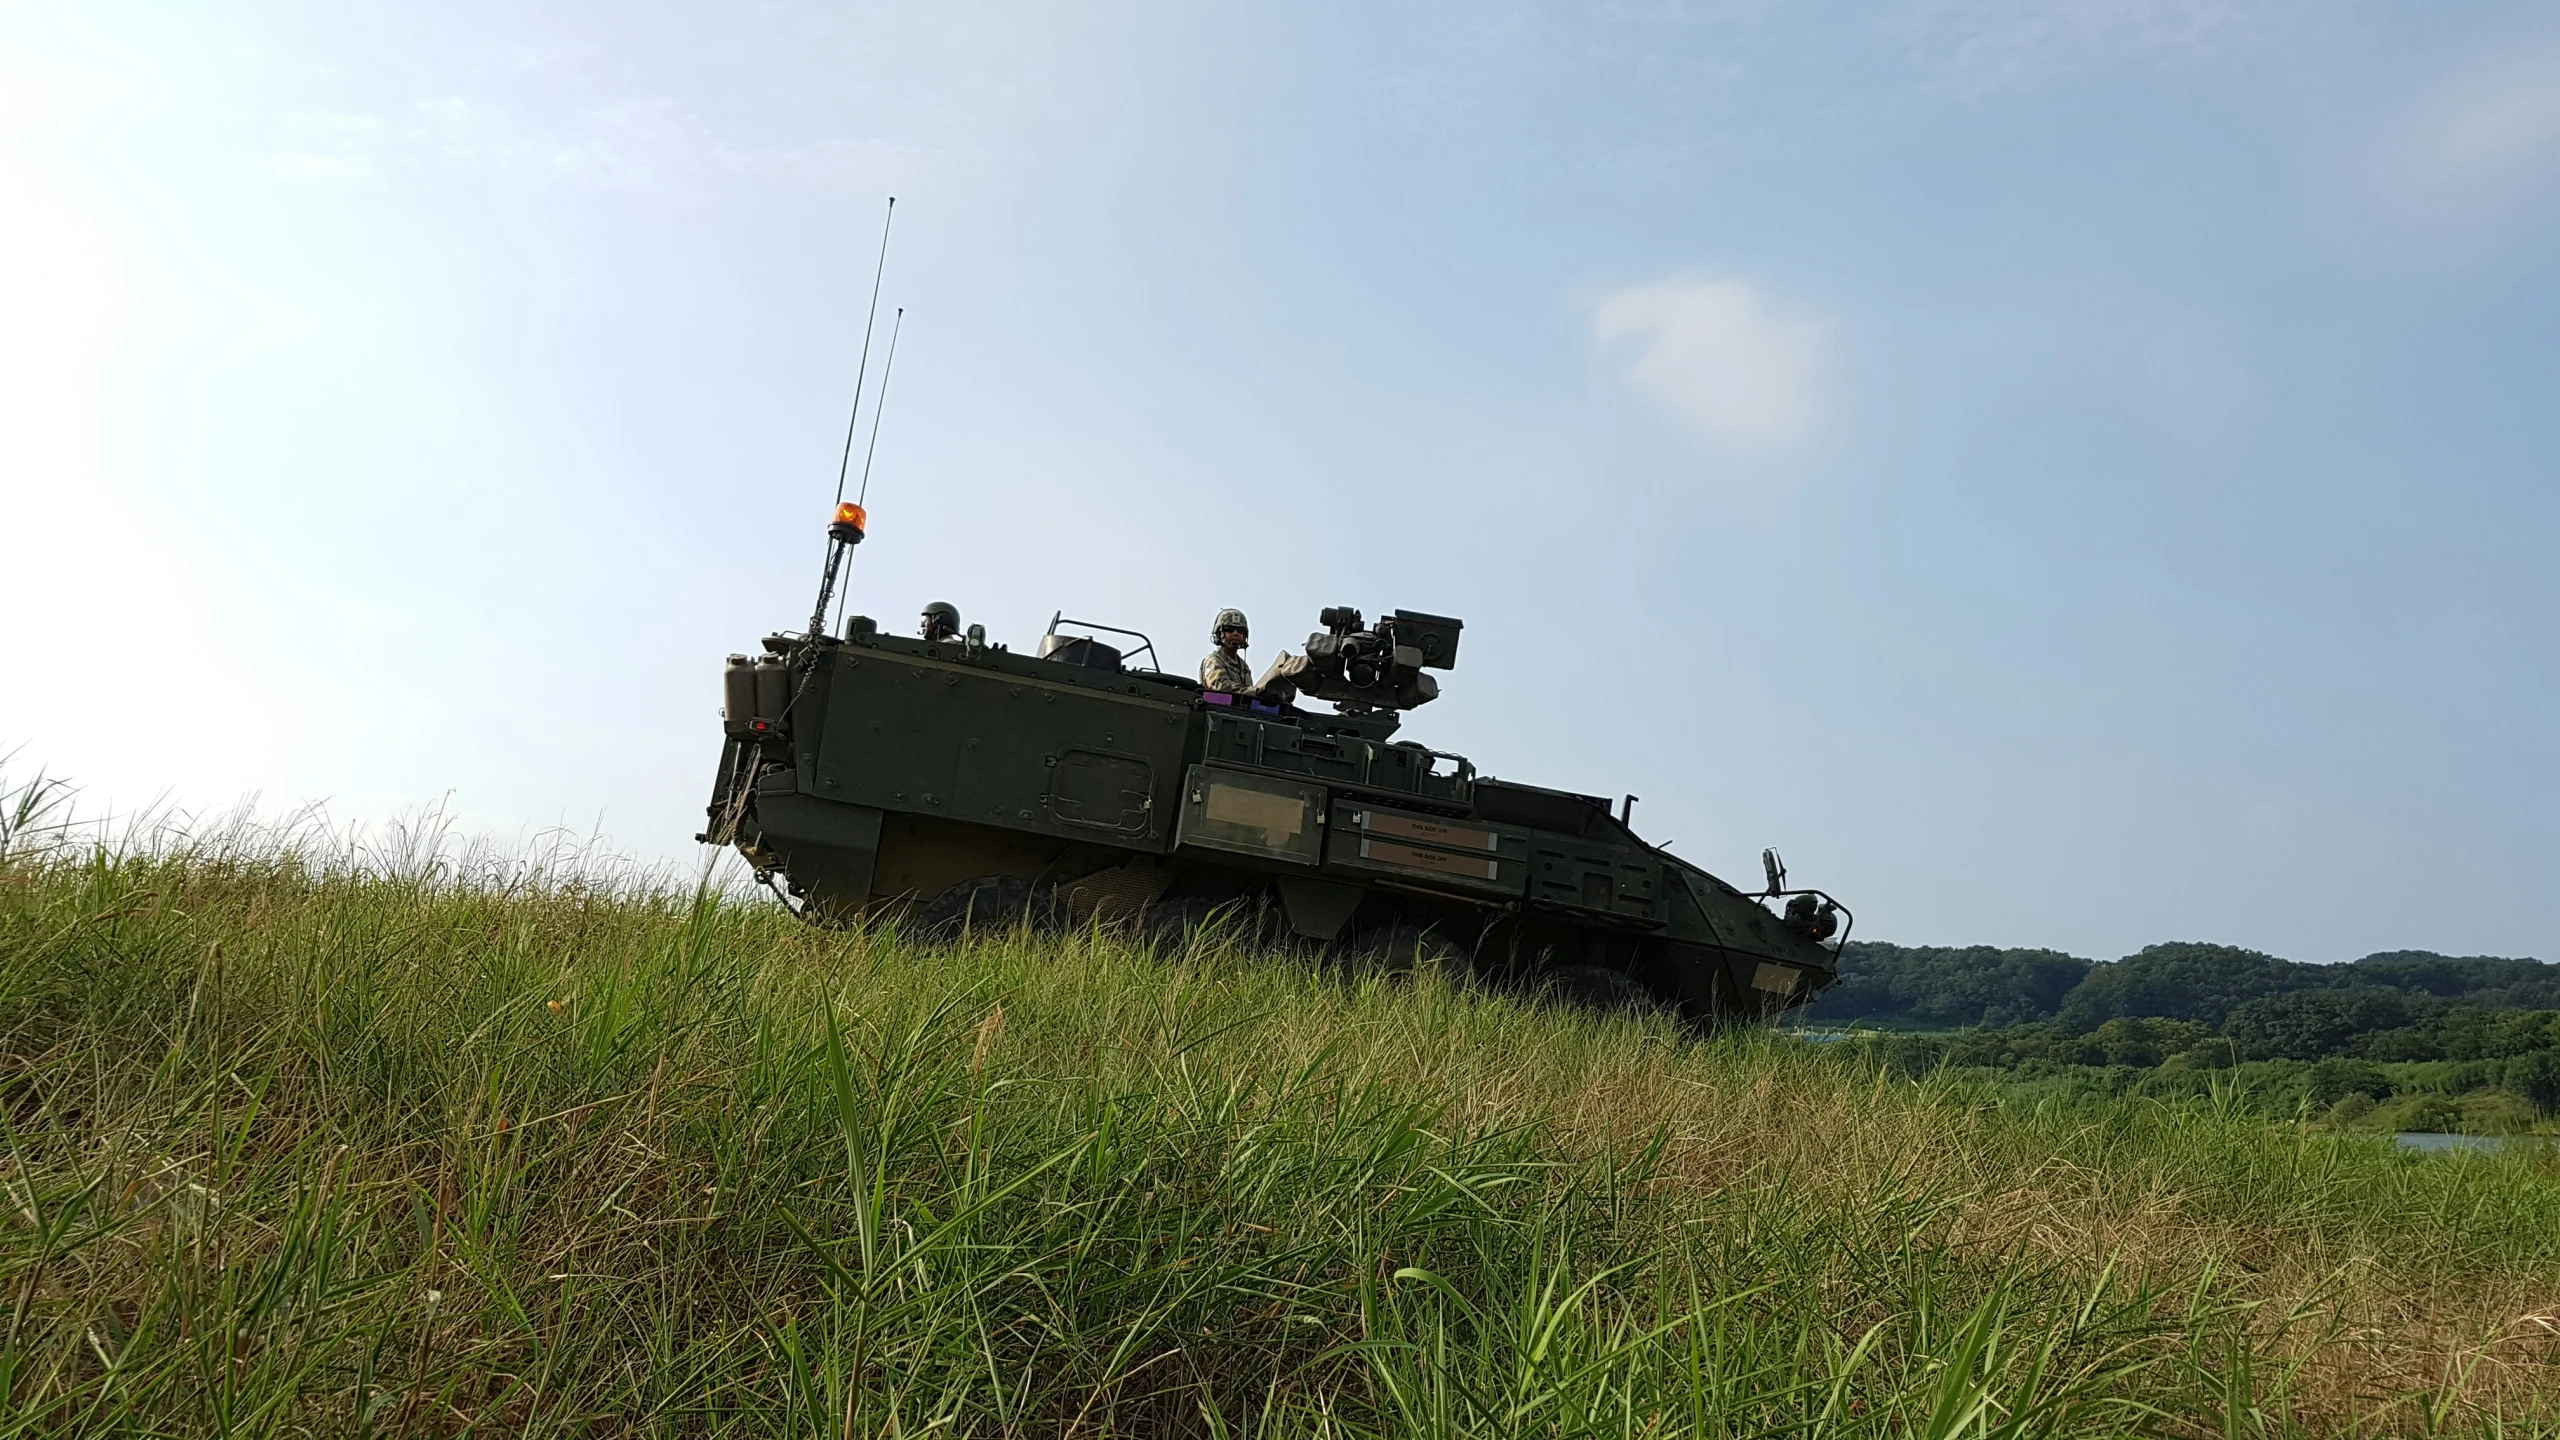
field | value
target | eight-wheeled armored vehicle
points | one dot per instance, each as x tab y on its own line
953	781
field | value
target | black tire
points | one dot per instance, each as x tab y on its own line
992	903
1177	924
1401	952
1597	987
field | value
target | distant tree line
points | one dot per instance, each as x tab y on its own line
2284	1004
2161	1021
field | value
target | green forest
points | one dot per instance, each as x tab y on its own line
2399	1040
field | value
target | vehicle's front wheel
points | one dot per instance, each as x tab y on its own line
993	902
1597	987
1401	952
1179	924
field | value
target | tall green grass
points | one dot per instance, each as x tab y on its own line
351	1147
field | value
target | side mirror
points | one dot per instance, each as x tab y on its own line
1775	869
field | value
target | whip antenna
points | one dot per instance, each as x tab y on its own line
879	408
880	404
863	369
845	530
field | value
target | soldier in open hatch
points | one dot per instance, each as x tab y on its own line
1225	669
941	621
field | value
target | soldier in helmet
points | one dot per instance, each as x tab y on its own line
941	621
1225	669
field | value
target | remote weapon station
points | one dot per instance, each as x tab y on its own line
952	781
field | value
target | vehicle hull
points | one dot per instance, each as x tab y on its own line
901	770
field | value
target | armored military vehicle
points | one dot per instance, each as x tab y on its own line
952	781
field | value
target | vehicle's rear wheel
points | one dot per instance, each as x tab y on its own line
989	903
1178	924
1401	952
1597	987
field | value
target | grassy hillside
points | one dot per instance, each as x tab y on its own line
301	1150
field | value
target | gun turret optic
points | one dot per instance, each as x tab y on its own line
1379	668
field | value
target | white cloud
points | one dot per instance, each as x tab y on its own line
2477	143
327	146
292	166
625	145
1719	354
1980	46
457	134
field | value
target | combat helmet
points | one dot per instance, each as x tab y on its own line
1228	620
941	617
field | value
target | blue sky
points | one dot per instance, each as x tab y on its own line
2074	474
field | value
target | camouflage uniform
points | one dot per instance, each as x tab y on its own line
1226	670
1223	669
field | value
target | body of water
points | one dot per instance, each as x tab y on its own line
2429	1140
